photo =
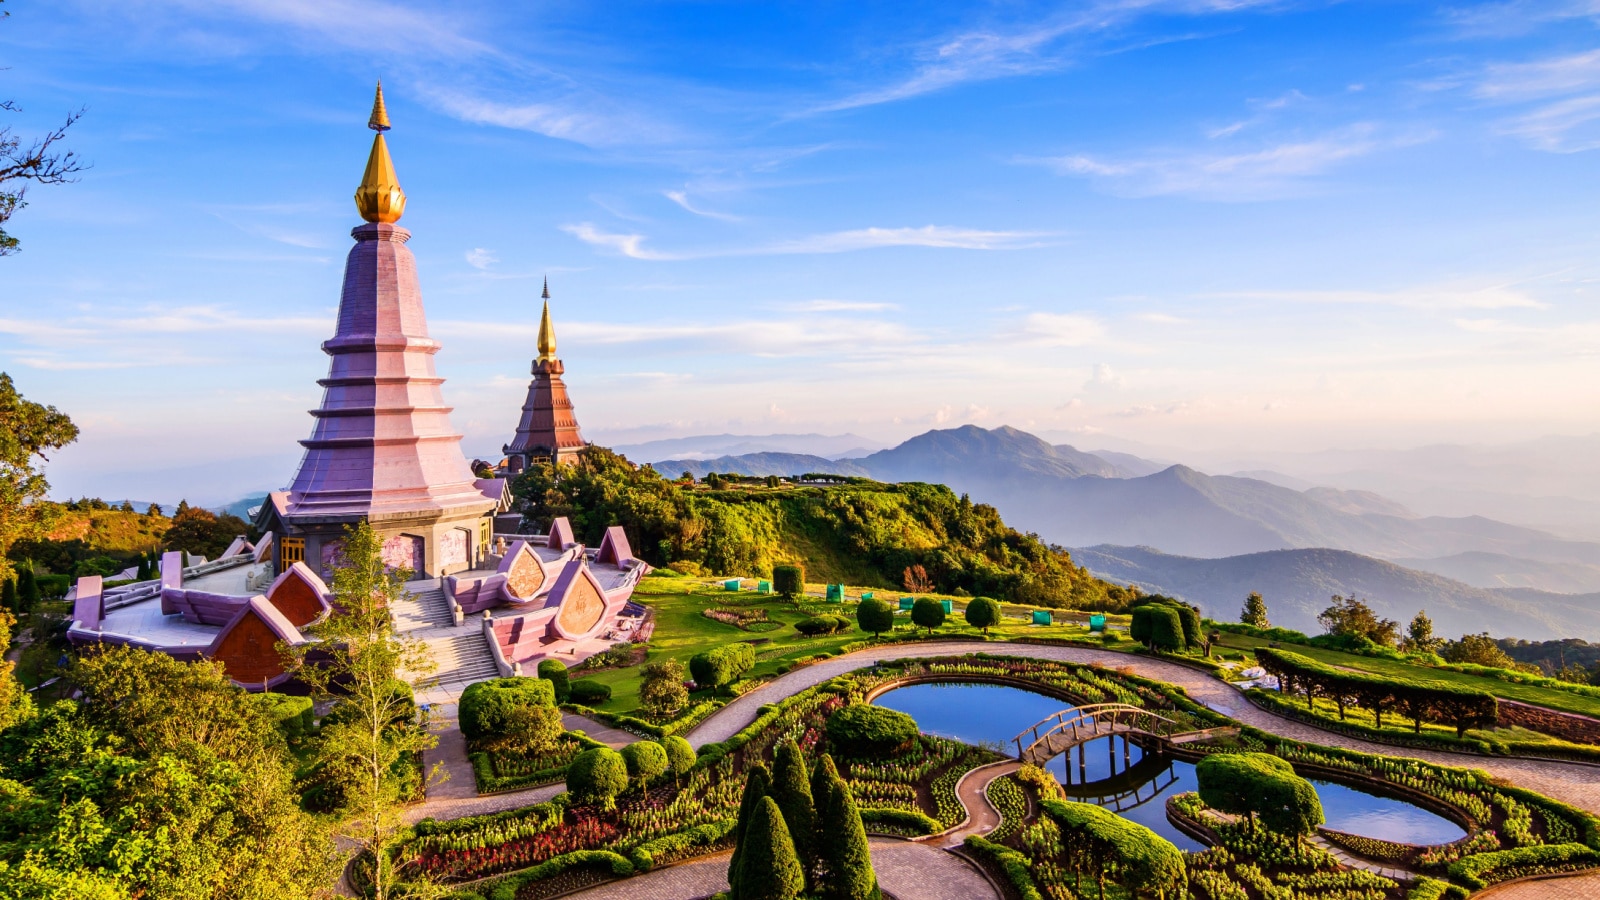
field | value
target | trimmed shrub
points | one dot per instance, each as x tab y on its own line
769	869
555	672
292	715
1420	701
864	730
927	613
756	782
790	581
1189	618
680	754
1483	869
1166	629
1017	868
590	693
791	788
904	819
1260	783
597	776
822	625
1139	626
983	613
875	616
842	845
645	760
722	665
486	707
1145	862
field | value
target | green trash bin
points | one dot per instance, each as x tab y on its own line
1097	622
949	606
1042	617
835	593
732	584
907	602
764	587
867	595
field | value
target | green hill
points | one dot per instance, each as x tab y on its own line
853	530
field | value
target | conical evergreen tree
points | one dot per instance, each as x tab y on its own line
8	593
756	783
769	868
27	589
793	793
845	852
823	775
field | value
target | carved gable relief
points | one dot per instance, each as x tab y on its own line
249	651
526	574
581	608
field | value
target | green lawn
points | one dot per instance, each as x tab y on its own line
682	631
1527	693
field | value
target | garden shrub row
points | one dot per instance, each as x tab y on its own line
675	846
491	783
688	719
900	819
815	625
1146	861
614	864
722	665
1483	869
1426	888
486	707
1425	701
1013	864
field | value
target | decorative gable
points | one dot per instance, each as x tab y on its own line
581	602
561	536
300	595
247	647
614	549
524	572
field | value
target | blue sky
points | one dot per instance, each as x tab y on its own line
1179	224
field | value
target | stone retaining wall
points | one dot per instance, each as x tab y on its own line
1567	726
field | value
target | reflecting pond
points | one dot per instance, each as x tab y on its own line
1117	774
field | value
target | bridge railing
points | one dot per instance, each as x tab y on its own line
1093	717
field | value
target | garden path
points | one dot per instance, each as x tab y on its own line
972	791
908	870
1569	782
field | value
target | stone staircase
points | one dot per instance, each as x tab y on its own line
461	652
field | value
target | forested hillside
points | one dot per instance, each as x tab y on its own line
855	531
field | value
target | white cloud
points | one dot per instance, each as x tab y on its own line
1160	318
1265	173
1567	126
580	121
840	306
1541	78
1565	93
1104	376
682	199
937	236
1063	329
1453	295
481	259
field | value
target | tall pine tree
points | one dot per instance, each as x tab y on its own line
845	852
793	794
769	869
1255	611
756	783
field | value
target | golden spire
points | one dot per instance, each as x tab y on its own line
547	332
379	198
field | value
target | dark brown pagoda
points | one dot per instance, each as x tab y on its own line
548	431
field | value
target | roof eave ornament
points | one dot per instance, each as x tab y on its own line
379	198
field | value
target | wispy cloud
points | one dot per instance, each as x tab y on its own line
936	236
1270	172
840	306
1062	329
682	199
1515	17
1449	296
481	259
586	121
365	25
1565	95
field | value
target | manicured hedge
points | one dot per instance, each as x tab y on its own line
1146	861
1425	888
555	672
722	665
485	705
589	692
1483	869
822	625
1260	783
615	864
1159	627
490	783
1013	864
789	580
871	731
908	819
1420	701
292	715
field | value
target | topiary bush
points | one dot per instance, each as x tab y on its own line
292	715
1146	863
590	693
597	776
1260	784
822	625
983	613
487	707
555	672
645	760
680	754
927	613
722	665
864	730
790	581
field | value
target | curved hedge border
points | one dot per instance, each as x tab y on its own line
1420	701
1483	869
674	846
490	783
1013	864
506	887
907	819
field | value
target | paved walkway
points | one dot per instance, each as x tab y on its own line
973	792
908	870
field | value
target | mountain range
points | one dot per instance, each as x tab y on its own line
1077	498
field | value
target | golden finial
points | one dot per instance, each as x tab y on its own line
547	332
380	117
547	287
379	198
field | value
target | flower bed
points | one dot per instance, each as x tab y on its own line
506	770
1006	796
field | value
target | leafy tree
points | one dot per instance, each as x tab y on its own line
756	783
862	729
154	510
1255	611
1260	783
487	707
875	616
791	788
165	783
27	589
1478	650
367	741
532	729
28	430
663	692
9	599
555	672
42	161
1348	617
15	705
845	858
1419	634
789	580
983	613
916	579
598	776
680	755
202	532
928	613
645	760
769	868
